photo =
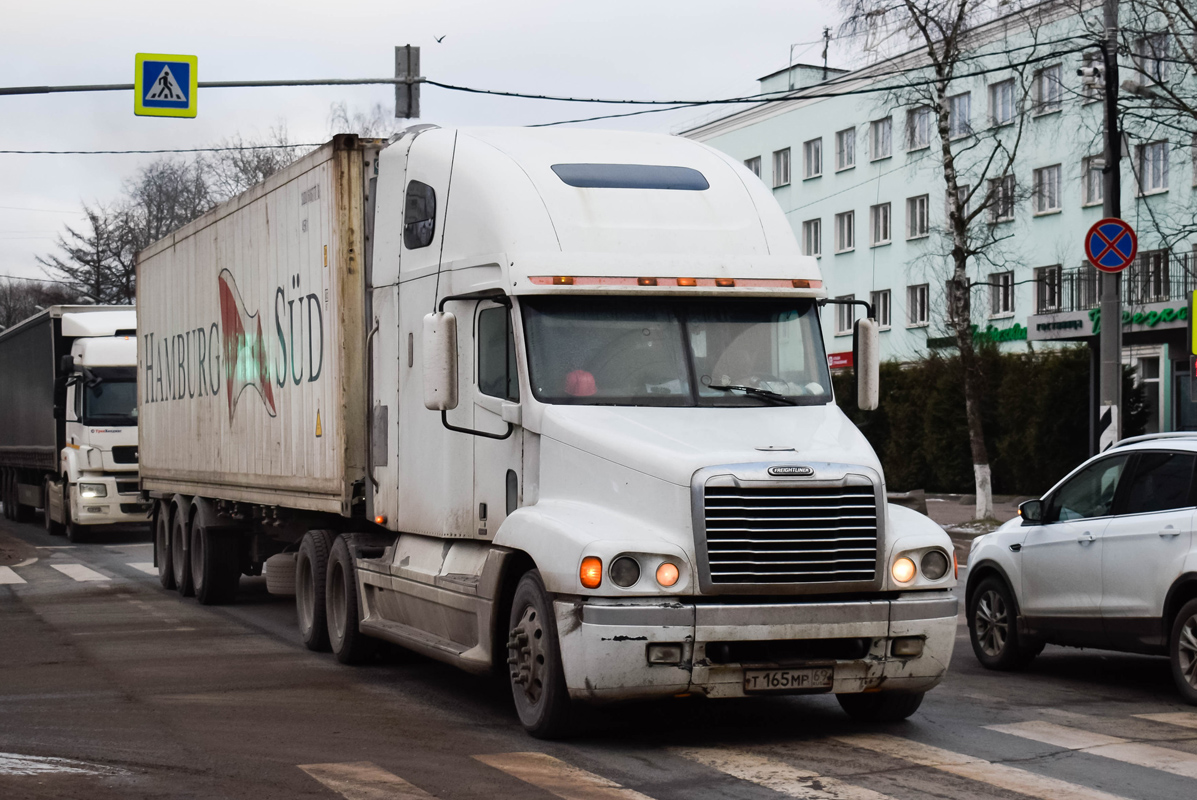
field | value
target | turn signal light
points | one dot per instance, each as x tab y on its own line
563	280
667	574
725	282
646	281
903	570
591	574
380	520
955	566
800	284
687	281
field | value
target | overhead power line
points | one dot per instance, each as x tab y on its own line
156	152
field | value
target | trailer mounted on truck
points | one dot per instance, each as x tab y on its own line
551	403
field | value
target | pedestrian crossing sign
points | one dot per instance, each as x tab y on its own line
164	86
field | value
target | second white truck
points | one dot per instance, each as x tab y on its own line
554	403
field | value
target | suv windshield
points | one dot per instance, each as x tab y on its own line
659	351
112	401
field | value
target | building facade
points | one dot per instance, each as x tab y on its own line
855	160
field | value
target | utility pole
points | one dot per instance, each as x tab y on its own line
1109	423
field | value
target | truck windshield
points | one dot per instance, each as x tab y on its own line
659	351
112	401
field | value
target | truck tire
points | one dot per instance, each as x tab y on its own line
179	557
534	658
215	565
880	706
348	643
311	570
166	569
993	628
75	532
53	528
280	574
1182	651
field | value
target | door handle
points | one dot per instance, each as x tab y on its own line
1168	532
1085	538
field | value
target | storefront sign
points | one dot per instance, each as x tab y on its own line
840	360
1081	324
1015	333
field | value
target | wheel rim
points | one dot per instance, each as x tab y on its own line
526	656
178	555
1186	651
303	593
992	623
337	605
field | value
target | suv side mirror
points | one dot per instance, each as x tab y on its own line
66	365
867	358
1031	511
440	361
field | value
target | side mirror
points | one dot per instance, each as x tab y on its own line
1031	511
440	361
66	365
866	355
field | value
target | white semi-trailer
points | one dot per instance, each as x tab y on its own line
554	403
68	419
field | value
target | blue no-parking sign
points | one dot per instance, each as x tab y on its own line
1111	245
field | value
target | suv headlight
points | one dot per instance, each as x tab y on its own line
92	490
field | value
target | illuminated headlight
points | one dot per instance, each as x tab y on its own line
903	570
934	564
92	490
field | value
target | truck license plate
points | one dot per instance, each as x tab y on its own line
787	680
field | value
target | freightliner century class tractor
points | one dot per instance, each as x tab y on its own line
549	403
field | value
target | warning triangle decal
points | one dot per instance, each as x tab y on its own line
166	87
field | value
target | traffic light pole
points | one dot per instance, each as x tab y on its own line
1109	423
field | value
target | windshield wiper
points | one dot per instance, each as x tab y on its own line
755	392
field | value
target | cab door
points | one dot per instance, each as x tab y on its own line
498	462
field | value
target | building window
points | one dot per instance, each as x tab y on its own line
1001	294
918	223
812	237
845	315
1001	199
781	168
1152	57
1148	281
754	165
1153	167
845	231
918	128
880	301
1048	289
1049	89
812	158
952	291
1001	102
960	119
879	222
881	138
1047	189
962	190
917	312
845	149
1092	179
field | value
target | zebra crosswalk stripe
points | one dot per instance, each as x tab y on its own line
977	769
144	566
557	777
80	573
1152	756
1185	719
362	780
777	775
9	576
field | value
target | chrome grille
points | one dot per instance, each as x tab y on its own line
824	534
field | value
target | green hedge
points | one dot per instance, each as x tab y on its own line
1035	411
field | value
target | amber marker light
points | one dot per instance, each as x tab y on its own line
955	566
591	573
380	520
646	281
687	281
800	284
667	574
903	570
725	282
563	280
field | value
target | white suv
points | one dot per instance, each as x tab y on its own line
1106	559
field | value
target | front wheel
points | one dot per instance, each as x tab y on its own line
993	628
534	658
74	531
162	554
880	706
348	643
53	528
1182	651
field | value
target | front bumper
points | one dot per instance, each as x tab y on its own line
604	644
115	507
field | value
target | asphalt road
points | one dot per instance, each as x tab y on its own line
111	687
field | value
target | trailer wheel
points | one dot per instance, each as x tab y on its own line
53	528
162	550
348	643
534	658
311	570
179	556
880	706
215	565
74	531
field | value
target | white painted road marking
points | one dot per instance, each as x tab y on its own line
362	780
145	566
1151	756
559	778
15	764
80	573
977	769
778	775
1185	719
8	575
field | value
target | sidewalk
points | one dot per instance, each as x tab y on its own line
955	513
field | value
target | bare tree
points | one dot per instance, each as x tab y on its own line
88	264
950	39
373	123
21	299
241	164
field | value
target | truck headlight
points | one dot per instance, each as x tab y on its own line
903	570
934	564
92	490
624	571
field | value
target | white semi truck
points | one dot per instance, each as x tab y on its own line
552	403
68	419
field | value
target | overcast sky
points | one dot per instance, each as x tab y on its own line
645	49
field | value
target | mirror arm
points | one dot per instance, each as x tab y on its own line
494	295
484	434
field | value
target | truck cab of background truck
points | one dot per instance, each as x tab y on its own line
611	369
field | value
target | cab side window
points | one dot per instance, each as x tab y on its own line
1089	493
419	215
1161	481
497	372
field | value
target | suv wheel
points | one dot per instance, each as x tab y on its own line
993	628
1182	651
